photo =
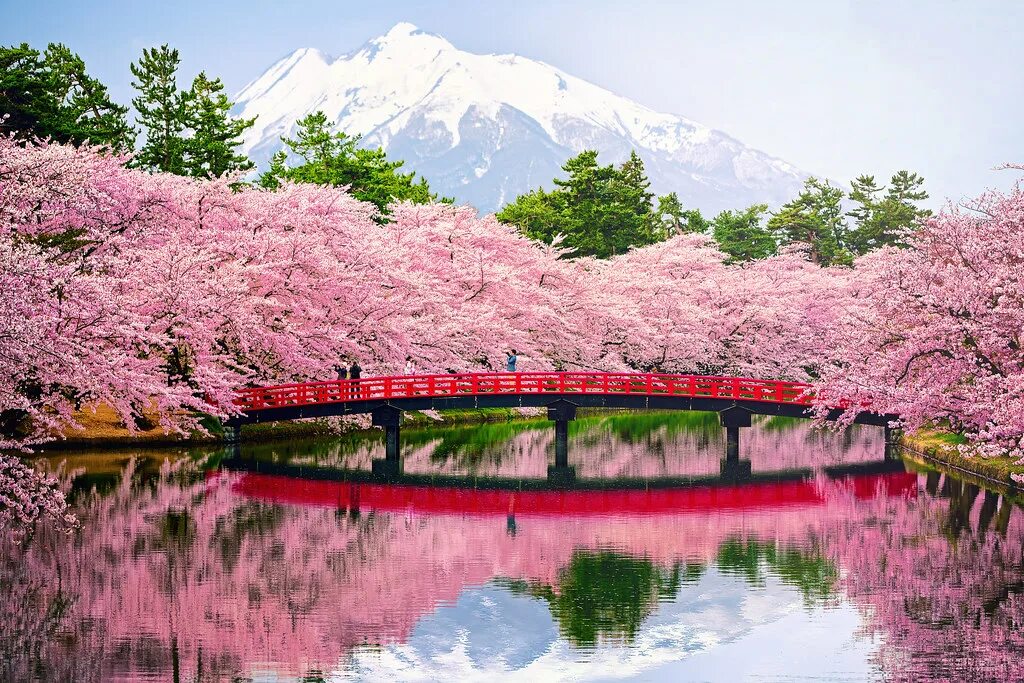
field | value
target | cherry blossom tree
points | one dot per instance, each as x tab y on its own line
684	310
933	333
152	292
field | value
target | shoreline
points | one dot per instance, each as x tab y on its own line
928	448
118	438
925	447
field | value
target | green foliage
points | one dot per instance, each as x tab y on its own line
812	574
52	96
210	151
885	220
187	133
815	218
741	235
161	110
636	427
467	444
603	210
676	220
336	159
607	594
597	211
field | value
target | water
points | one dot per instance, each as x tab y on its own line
197	566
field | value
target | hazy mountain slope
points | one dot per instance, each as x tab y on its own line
484	128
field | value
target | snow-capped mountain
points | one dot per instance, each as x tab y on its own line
485	128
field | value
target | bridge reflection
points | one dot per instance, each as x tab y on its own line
356	491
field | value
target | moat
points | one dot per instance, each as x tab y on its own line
289	561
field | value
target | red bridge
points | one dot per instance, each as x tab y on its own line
735	399
515	388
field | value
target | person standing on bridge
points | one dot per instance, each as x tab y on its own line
510	360
354	373
410	366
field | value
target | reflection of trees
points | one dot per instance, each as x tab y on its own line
467	444
183	574
942	579
605	595
808	570
631	427
615	444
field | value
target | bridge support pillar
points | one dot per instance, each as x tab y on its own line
892	443
561	412
733	419
390	418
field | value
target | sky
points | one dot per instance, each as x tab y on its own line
836	88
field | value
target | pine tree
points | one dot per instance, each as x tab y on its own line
864	192
52	96
885	221
210	150
670	214
676	220
336	159
597	210
741	235
90	114
815	218
161	111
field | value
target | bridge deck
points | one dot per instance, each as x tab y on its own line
530	389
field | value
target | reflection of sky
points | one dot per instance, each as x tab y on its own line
717	629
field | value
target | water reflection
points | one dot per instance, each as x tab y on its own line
618	445
187	571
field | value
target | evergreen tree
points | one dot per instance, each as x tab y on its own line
26	105
161	111
881	221
864	192
695	222
676	220
210	151
670	214
536	213
598	210
741	235
815	218
336	159
634	190
52	96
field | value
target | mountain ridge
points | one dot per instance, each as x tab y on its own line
486	128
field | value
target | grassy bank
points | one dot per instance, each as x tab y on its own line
103	428
940	447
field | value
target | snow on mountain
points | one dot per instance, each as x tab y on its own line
485	128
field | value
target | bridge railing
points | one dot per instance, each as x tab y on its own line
521	383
